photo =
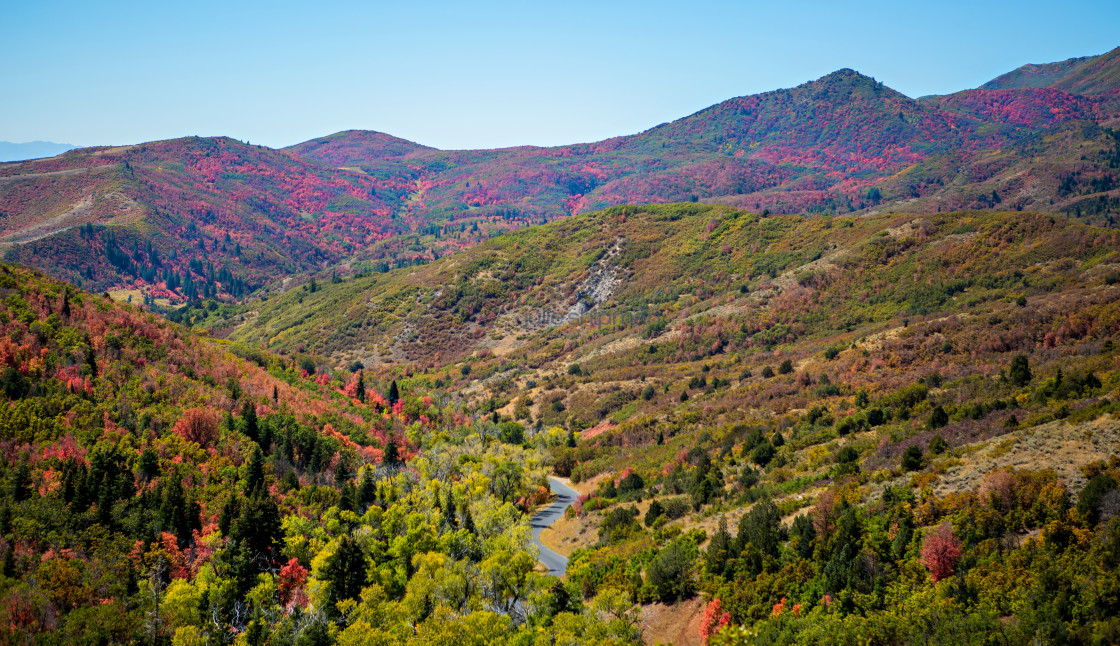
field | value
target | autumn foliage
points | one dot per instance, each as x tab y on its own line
941	552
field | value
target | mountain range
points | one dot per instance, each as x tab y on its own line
10	151
181	219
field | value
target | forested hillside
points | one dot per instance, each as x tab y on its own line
899	425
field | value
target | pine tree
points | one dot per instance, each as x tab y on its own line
21	482
394	393
148	464
360	391
449	517
391	457
249	424
345	571
254	474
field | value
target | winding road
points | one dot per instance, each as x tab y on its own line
557	564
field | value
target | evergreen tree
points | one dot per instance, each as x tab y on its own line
345	572
249	425
148	464
360	391
449	515
1020	373
394	394
254	472
391	457
21	482
258	526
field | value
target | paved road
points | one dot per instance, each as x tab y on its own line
557	564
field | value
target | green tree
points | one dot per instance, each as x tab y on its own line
254	472
912	458
938	417
249	420
345	572
1020	373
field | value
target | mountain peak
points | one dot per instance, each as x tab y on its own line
352	147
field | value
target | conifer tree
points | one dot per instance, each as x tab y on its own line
249	424
254	474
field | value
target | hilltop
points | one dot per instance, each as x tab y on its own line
1085	75
360	201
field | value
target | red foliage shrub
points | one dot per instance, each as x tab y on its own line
198	425
941	552
290	581
714	619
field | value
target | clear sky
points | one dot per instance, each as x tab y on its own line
485	74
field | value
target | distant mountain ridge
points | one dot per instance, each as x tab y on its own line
214	217
1084	75
10	151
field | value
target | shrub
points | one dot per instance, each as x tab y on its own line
941	552
618	525
912	459
198	425
938	417
763	454
937	445
786	367
767	372
1089	501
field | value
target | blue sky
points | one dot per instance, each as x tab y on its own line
487	74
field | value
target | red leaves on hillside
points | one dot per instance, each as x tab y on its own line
713	620
941	552
198	425
290	581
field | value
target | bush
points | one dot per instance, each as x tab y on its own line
669	575
618	525
767	372
763	454
676	507
847	455
937	445
912	459
941	552
938	417
786	367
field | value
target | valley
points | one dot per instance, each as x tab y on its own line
818	365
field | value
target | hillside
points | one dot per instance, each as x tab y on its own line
874	428
1086	75
127	219
162	487
886	379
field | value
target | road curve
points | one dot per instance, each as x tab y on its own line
557	564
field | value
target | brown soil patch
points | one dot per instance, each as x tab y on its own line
677	624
